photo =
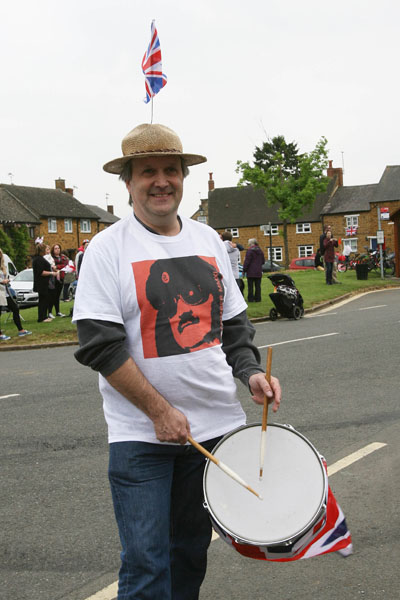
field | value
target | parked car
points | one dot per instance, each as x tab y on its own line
306	262
11	269
302	263
268	268
22	284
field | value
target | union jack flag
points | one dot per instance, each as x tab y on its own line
155	79
330	535
351	230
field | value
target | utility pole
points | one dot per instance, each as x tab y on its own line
270	245
379	232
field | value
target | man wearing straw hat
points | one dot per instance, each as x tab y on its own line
160	317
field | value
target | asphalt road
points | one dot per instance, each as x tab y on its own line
341	390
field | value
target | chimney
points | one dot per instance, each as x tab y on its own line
60	184
70	191
110	209
332	171
210	183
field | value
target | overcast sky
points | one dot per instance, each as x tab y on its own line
238	72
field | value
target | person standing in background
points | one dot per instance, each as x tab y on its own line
42	274
60	261
234	257
252	266
330	244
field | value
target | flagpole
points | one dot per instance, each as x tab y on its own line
151	110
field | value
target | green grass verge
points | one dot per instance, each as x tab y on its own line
311	285
59	330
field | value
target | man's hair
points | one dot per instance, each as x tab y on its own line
126	173
253	241
226	235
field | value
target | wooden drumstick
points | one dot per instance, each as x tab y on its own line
222	466
265	413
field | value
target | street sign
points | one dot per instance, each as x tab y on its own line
380	238
385	214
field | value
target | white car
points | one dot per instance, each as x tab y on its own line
22	284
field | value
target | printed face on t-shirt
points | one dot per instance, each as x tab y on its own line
181	303
191	323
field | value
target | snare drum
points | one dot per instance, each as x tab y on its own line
294	491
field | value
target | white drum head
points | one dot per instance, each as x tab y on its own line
293	487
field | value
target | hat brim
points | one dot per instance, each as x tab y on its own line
116	166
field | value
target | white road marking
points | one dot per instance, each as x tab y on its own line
369	307
313	337
107	593
110	592
9	396
352	458
320	315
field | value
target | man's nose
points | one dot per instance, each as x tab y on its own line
161	179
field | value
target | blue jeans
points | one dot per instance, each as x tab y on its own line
165	531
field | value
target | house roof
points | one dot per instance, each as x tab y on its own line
347	199
389	185
104	215
12	211
247	207
44	202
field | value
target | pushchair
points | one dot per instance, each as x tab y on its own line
286	297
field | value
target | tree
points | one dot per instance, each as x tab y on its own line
6	245
288	178
20	241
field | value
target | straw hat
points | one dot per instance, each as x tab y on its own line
151	140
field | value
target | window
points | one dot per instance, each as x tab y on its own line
52	225
68	225
85	226
234	231
352	243
276	254
352	220
32	233
303	227
202	220
305	251
274	229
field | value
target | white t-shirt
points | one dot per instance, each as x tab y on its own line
168	293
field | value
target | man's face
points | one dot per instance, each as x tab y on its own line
192	322
156	188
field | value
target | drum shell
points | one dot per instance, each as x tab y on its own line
286	546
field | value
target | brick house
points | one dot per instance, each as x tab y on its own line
54	214
352	212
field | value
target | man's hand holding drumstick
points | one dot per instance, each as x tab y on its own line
260	387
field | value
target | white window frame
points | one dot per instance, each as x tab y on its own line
202	219
305	251
352	242
234	231
68	225
277	253
303	228
352	220
85	226
52	225
274	229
